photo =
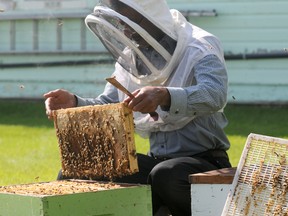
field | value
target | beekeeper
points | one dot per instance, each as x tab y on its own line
172	68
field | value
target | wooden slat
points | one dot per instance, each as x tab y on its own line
221	176
233	7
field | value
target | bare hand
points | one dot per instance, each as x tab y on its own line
58	99
147	99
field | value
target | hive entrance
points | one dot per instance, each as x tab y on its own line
261	182
96	141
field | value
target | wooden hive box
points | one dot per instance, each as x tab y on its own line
96	141
75	198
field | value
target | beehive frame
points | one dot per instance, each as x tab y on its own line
260	184
96	141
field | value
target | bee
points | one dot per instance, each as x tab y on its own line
133	153
60	22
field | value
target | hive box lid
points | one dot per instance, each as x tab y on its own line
96	198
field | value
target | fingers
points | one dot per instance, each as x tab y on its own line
49	107
54	93
142	102
58	99
148	98
127	100
52	101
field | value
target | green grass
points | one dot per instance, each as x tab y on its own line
29	150
243	120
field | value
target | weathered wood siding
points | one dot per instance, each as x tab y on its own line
255	38
45	45
254	35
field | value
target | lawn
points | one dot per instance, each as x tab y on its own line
29	151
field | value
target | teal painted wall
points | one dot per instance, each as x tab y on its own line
37	36
249	28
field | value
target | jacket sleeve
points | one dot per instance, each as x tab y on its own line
109	95
206	94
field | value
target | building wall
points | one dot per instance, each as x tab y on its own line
45	45
254	37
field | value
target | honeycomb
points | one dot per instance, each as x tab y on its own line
96	142
59	187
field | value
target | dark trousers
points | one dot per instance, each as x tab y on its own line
169	178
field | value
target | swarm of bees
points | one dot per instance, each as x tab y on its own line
270	179
96	142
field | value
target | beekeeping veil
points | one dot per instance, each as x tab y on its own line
143	58
121	25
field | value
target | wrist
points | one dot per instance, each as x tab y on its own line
165	96
75	100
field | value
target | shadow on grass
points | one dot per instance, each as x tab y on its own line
24	112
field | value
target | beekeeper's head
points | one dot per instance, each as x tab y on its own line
138	33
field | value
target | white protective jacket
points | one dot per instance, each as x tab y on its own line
178	70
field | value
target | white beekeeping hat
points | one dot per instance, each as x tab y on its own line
157	12
127	29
